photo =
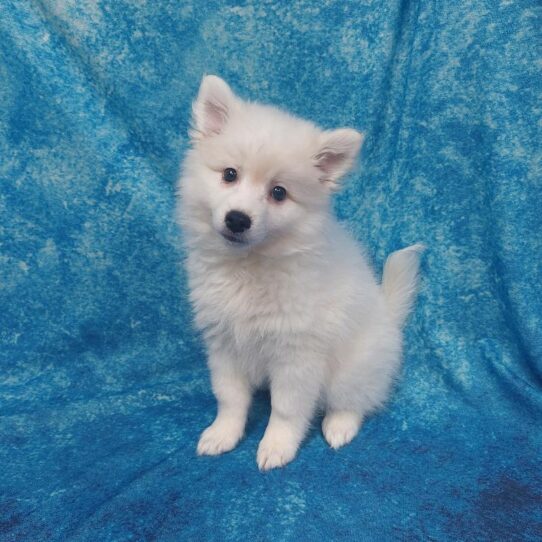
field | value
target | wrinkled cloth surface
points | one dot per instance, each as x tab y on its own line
103	382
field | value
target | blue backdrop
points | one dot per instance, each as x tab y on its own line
103	384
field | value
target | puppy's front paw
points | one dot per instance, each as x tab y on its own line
276	449
221	436
340	427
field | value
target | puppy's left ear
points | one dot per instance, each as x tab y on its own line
212	108
338	152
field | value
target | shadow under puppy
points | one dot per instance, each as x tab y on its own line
282	293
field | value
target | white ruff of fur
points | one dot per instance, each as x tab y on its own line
291	302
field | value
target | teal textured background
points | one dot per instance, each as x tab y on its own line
103	384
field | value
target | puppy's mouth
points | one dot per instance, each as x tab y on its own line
231	238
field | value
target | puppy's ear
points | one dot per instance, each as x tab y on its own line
212	107
338	151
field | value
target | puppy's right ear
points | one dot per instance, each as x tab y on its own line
212	107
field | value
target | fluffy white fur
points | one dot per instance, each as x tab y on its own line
293	305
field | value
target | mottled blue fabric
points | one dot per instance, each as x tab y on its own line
103	383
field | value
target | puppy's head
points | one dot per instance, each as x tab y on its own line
256	176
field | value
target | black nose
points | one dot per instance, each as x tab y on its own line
237	222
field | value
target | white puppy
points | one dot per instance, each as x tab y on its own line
281	292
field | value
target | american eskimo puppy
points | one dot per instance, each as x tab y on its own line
282	294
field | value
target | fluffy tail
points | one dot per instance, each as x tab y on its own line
400	281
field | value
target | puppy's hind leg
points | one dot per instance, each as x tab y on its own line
233	393
361	384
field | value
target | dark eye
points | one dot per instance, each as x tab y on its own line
229	174
278	193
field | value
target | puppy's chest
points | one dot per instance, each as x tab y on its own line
254	298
